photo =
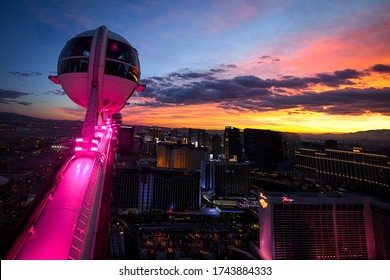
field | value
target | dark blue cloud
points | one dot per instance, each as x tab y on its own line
8	96
267	59
341	102
231	66
249	92
56	92
188	76
381	68
24	74
24	103
339	77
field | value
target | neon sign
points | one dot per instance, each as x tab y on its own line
287	199
263	200
263	203
243	205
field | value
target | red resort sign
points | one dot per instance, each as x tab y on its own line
287	199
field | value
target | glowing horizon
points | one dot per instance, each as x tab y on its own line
306	67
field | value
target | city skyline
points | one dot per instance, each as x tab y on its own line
64	196
289	66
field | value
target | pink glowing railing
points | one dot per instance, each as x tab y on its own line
64	224
53	231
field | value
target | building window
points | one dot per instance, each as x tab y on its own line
121	70
122	61
74	56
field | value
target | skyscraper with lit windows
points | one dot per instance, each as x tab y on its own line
263	148
126	140
225	178
180	156
147	190
216	146
364	171
232	144
197	137
323	226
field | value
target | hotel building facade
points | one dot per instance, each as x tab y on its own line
331	226
363	171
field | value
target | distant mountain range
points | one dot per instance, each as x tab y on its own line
369	136
17	118
374	136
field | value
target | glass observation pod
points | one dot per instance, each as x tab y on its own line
105	59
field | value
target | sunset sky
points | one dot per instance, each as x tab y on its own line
298	66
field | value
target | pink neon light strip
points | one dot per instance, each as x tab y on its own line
54	229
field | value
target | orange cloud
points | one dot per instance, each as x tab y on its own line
210	116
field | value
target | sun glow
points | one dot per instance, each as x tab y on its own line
292	120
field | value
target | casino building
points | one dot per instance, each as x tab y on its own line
315	226
364	171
